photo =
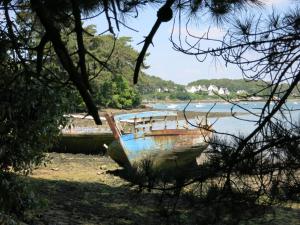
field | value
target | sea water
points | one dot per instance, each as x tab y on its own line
221	106
243	124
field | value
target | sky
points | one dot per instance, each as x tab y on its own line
169	64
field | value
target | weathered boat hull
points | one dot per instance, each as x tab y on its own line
161	147
165	149
160	160
90	143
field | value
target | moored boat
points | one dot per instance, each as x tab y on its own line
153	136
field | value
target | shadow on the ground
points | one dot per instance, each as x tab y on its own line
95	203
72	203
84	189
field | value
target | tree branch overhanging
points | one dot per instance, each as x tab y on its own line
80	44
65	59
164	14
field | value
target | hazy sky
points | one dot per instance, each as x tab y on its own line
168	64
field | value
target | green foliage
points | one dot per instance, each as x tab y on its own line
117	93
15	196
180	95
30	113
110	89
159	96
121	62
152	85
32	105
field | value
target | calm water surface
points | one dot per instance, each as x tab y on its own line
229	124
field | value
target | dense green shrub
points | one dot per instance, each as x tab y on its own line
30	113
15	195
117	93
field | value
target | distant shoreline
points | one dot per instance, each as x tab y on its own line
210	101
84	122
89	122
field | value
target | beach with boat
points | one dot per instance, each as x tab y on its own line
81	135
88	182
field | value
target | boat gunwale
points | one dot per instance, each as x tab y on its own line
178	132
139	115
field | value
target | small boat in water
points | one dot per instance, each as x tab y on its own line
153	136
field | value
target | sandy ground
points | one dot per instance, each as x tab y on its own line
81	189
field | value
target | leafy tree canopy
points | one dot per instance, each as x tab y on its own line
117	93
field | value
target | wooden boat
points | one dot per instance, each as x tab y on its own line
152	136
83	139
83	142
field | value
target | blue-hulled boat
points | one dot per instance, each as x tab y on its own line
157	136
